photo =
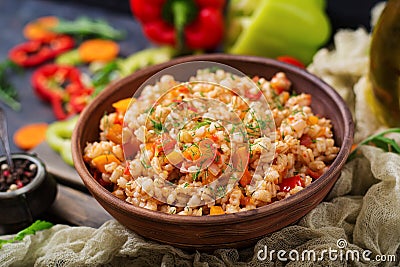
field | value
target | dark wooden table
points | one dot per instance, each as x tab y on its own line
73	204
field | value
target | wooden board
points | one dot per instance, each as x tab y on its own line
77	208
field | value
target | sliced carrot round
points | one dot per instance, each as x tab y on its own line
40	29
98	50
31	135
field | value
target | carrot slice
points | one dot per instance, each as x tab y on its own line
114	133
31	135
122	105
98	50
101	161
216	210
40	28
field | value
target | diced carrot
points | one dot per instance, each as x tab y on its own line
174	157
216	210
246	178
100	161
192	153
353	147
313	120
31	135
40	29
98	50
122	105
114	133
285	96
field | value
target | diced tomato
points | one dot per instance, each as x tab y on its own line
253	97
291	182
244	201
305	140
126	170
313	174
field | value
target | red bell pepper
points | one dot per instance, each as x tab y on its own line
33	53
196	24
292	61
62	87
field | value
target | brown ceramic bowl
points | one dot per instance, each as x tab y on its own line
231	230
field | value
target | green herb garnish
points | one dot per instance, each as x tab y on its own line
31	230
8	93
202	123
379	140
158	127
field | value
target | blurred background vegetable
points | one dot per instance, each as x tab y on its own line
385	64
273	28
8	93
84	27
29	136
40	29
58	136
193	24
98	50
62	86
35	52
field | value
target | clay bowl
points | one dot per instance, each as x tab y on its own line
19	208
231	230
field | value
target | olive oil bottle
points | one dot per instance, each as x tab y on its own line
385	62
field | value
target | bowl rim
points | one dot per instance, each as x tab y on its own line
34	183
157	216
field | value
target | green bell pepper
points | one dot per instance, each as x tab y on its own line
58	136
273	28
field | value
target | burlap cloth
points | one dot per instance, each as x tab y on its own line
363	208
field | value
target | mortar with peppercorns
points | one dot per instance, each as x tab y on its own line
26	191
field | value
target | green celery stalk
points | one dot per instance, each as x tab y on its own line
58	136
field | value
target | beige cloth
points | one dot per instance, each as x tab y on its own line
363	208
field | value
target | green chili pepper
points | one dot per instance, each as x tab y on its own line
58	136
273	28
